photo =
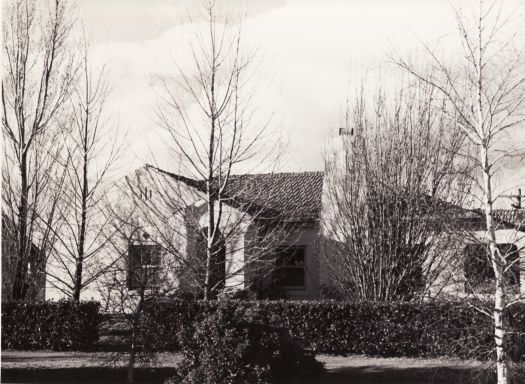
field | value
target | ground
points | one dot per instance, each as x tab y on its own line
68	367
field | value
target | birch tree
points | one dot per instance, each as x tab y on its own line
38	72
485	94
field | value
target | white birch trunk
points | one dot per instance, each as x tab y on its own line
499	294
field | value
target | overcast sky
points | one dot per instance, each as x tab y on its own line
312	55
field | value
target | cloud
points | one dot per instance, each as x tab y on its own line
312	55
138	20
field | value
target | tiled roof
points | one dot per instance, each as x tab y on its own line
294	197
503	219
514	218
291	197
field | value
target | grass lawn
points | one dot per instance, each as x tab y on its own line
73	367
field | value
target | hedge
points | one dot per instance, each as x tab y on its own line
427	329
60	325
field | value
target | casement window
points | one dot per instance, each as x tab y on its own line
478	266
143	265
290	267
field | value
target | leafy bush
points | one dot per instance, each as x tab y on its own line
427	329
241	344
60	326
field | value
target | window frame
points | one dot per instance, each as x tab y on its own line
302	267
137	270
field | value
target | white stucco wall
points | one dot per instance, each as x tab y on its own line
129	200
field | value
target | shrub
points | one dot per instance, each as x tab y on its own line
60	326
163	320
426	329
241	344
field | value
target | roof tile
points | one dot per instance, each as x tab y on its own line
293	197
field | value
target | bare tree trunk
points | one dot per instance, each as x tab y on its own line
135	333
499	294
21	265
209	249
132	355
210	182
131	364
82	230
211	211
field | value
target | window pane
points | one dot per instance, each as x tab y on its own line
290	277
290	270
290	257
150	254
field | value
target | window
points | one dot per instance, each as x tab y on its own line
478	267
144	265
290	267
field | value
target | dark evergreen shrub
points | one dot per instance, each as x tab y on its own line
425	329
242	344
57	325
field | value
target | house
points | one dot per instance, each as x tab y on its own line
270	237
269	231
291	204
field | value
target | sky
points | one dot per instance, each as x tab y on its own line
312	56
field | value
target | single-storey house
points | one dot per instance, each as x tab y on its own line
266	219
169	213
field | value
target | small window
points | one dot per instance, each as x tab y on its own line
144	265
478	267
290	268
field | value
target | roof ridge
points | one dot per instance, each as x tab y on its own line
235	174
278	173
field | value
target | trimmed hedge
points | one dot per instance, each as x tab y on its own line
432	329
57	325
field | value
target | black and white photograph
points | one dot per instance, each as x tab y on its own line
263	191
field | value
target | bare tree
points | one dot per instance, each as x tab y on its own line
141	273
92	151
38	71
484	92
209	112
393	183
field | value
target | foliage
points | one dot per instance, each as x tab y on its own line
242	344
60	326
412	329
